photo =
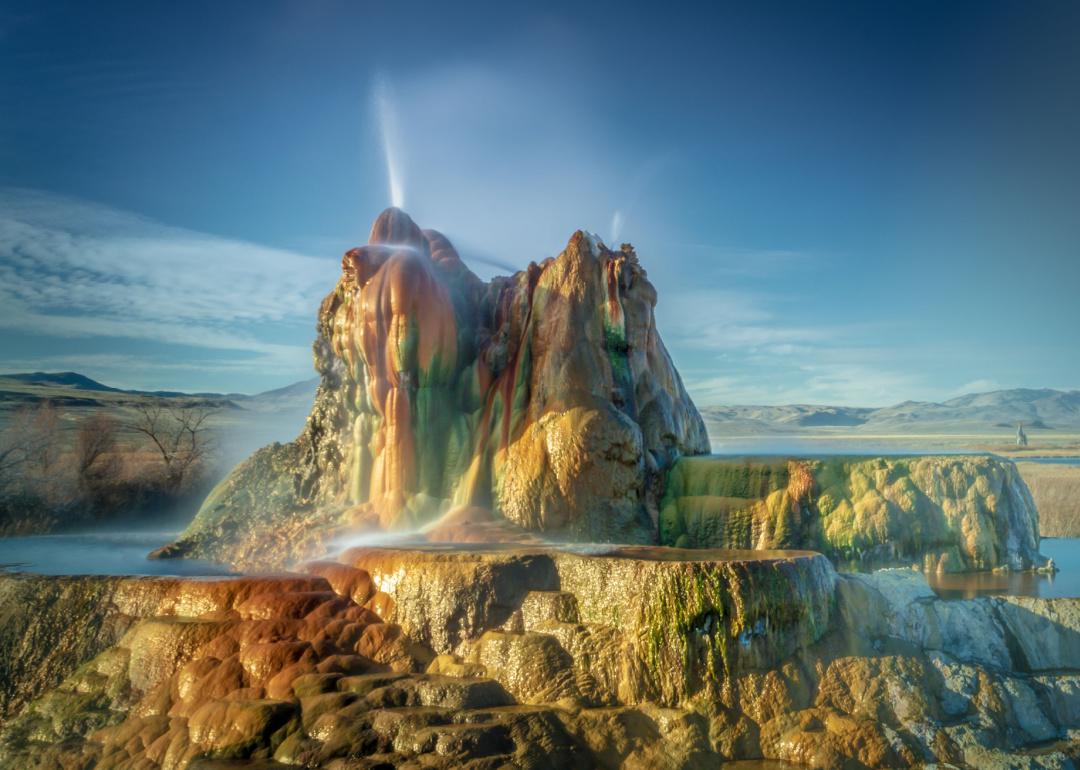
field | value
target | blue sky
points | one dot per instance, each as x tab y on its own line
838	203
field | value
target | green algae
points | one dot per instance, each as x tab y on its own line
435	386
956	510
712	504
707	621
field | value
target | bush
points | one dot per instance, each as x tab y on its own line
54	476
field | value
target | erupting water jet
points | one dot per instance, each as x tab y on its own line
388	133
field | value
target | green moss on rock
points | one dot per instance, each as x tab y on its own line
944	512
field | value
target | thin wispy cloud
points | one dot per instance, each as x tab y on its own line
977	386
829	384
741	351
727	261
74	269
730	319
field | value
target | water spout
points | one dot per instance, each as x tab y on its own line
616	228
388	132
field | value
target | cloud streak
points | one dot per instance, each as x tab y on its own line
73	269
741	352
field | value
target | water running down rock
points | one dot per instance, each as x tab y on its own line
544	406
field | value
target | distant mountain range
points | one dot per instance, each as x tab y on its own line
68	379
975	413
58	386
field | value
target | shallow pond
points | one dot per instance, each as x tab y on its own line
124	553
1048	460
98	553
1065	551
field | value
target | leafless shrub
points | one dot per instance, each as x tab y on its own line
95	448
181	435
30	441
51	477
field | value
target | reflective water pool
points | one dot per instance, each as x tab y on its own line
1066	555
98	553
124	553
1048	460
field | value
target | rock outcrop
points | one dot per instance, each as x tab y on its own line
49	625
623	658
547	398
945	513
543	407
683	621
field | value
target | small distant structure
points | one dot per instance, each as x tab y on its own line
1021	437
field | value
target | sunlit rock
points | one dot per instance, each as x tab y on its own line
595	656
944	513
683	620
546	398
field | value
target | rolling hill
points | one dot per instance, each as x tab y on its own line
1040	410
74	389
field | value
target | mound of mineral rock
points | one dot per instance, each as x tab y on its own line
543	407
518	656
546	398
946	513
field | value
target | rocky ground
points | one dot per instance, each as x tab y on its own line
528	657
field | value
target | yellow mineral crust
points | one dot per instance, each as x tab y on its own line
943	513
546	398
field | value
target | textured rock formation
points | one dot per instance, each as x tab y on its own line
546	397
683	621
552	668
227	669
948	513
50	625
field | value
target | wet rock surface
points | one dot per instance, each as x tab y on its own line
682	620
283	670
949	513
546	399
576	657
50	625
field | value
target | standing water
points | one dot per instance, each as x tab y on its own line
124	553
98	553
1065	551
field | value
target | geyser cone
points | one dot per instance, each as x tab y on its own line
546	398
394	227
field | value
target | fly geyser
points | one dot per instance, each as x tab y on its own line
544	406
543	402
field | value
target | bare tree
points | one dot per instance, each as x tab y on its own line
95	447
180	433
31	440
12	457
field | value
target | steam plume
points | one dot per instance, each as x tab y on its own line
388	131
